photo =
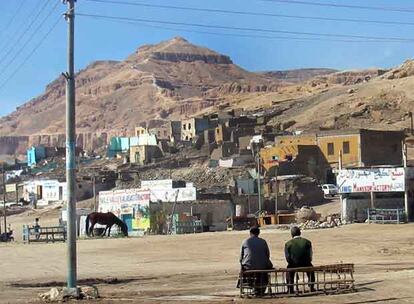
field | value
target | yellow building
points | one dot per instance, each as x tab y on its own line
359	148
271	156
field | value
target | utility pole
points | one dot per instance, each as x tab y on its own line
4	201
406	198
258	181
71	289
95	207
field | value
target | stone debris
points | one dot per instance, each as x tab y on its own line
331	221
53	295
58	294
306	214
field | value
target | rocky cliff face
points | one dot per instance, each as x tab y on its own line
157	80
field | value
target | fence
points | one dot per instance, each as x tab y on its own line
44	234
386	216
329	279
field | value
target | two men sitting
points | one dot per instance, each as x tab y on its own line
255	255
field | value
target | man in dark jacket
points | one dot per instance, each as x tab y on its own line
255	255
298	253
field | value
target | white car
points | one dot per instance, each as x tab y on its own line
329	190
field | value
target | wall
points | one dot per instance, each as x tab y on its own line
163	133
212	212
303	139
176	130
354	209
390	143
348	159
140	131
187	129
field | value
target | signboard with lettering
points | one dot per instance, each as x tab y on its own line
11	188
371	180
130	205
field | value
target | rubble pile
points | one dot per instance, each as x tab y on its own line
330	222
306	214
59	294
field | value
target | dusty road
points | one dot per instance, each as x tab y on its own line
203	268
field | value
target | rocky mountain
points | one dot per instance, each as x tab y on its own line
298	75
176	79
168	80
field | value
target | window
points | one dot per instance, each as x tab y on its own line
184	127
189	126
345	147
218	131
331	149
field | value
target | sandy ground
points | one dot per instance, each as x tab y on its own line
203	268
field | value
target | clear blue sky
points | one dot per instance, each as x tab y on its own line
98	39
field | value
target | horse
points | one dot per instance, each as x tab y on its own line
109	219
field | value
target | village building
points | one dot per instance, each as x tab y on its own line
140	131
357	148
192	127
144	154
162	133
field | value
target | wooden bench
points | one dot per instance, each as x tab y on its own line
44	234
329	279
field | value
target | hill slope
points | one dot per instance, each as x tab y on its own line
170	79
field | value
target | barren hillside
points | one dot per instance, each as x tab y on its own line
170	79
175	78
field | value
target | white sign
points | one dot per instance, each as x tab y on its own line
11	188
158	183
371	180
131	196
173	194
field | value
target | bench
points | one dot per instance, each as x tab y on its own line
273	283
44	234
386	216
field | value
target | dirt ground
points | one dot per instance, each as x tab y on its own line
203	268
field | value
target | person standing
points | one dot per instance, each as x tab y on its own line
255	255
298	253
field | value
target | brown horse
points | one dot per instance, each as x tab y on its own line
109	219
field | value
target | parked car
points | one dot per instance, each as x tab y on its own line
329	190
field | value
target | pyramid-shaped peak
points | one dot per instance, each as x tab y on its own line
179	49
179	39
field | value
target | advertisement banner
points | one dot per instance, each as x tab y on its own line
371	180
130	205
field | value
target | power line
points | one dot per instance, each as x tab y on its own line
261	30
23	33
30	38
336	5
244	35
44	37
6	27
223	11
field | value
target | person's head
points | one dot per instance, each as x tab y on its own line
295	231
254	231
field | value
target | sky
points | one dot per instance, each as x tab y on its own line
33	37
